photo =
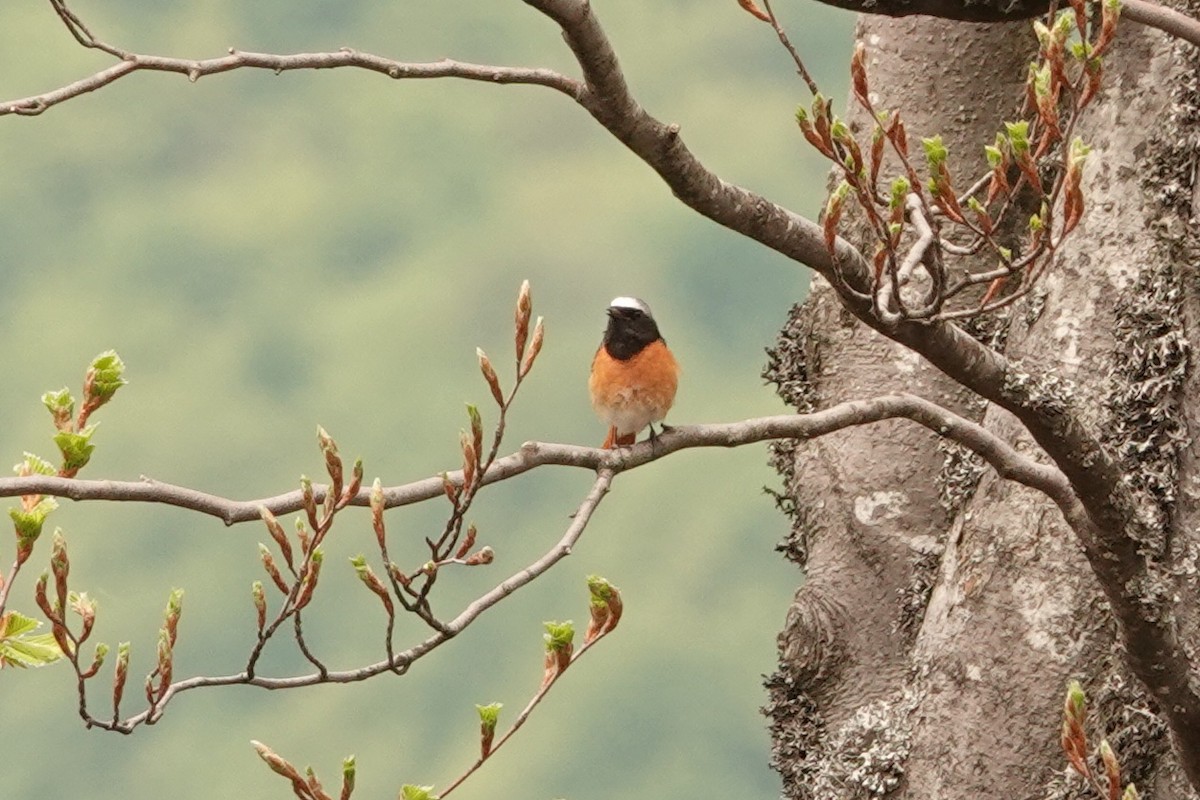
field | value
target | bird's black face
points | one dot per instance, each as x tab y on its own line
629	330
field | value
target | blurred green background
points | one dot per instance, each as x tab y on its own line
273	253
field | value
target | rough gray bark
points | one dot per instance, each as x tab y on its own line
927	653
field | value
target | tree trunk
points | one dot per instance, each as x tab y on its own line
944	610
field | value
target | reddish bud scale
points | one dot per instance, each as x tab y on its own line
1094	71
486	734
521	319
468	541
60	566
310	584
490	376
333	465
877	143
377	515
277	763
563	656
477	435
399	576
120	675
810	133
821	125
858	75
616	607
535	347
89	619
314	786
1029	170
992	290
166	669
597	623
754	10
356	479
309	501
276	531
1108	28
1080	9
1072	208
469	462
260	606
372	582
856	158
452	491
91	671
984	221
61	636
1112	769
897	133
550	669
268	562
43	602
485	556
999	182
1047	106
829	223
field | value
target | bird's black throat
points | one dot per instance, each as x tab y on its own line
629	331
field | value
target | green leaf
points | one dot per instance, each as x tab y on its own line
17	624
559	635
994	155
900	189
1041	81
32	465
935	151
29	523
600	589
1064	25
410	792
19	650
1018	135
1042	32
1079	151
76	448
60	402
1076	699
107	373
489	715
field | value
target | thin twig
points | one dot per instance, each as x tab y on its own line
277	63
787	44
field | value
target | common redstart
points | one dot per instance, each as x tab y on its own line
634	375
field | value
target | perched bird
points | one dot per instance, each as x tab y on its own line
634	375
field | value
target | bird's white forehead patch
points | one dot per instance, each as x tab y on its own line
630	302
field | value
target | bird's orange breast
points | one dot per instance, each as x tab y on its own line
633	393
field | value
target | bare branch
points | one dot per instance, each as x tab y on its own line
1000	455
194	70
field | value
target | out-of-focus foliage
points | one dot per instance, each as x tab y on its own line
272	253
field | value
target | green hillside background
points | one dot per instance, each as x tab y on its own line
270	253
